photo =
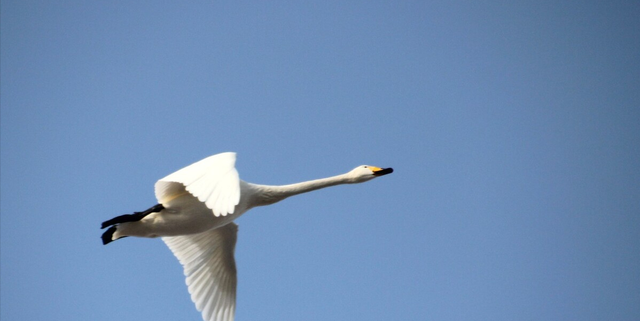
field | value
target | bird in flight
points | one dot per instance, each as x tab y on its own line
194	217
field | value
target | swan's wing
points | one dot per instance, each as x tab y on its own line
210	269
213	180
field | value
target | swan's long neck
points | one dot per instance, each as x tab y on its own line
270	194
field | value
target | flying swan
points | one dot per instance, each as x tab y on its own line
194	217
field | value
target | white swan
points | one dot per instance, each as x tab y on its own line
195	219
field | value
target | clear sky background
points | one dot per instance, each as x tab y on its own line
513	128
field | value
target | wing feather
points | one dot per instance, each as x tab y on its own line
213	180
210	269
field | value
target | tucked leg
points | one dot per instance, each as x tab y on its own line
107	236
136	216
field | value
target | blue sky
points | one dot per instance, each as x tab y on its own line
512	128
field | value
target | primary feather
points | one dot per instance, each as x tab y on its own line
210	269
213	180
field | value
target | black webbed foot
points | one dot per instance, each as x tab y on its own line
136	216
107	236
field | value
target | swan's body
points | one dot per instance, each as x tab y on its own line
198	205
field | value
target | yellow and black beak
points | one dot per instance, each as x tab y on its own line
377	171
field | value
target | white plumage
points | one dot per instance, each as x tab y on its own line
195	216
210	269
213	180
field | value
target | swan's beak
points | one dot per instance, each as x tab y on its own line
377	171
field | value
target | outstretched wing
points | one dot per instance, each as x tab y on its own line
210	269
213	180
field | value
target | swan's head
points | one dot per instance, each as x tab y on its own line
364	173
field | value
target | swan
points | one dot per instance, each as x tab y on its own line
194	217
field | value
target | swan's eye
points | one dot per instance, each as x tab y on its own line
365	167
